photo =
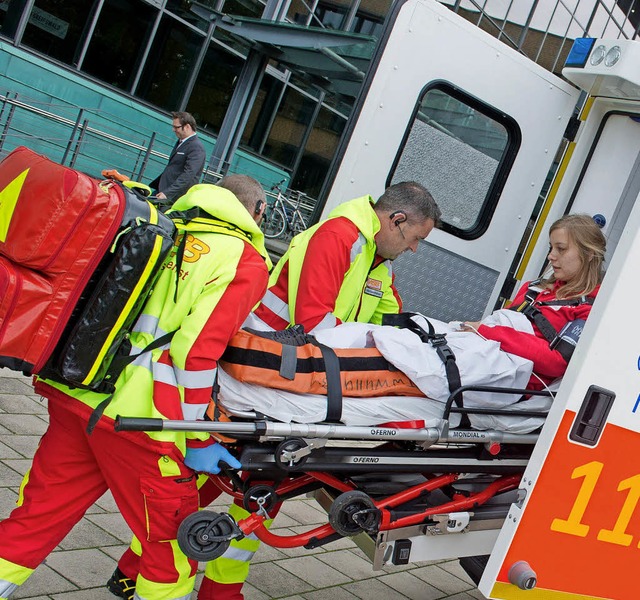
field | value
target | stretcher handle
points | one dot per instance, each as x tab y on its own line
449	408
138	424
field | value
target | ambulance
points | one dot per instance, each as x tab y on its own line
507	147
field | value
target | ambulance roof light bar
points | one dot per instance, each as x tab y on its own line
607	68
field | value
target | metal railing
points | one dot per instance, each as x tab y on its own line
544	30
84	140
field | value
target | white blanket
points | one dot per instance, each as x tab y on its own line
480	362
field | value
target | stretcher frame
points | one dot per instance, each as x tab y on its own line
468	480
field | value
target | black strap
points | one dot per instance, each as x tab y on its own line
541	322
439	342
117	366
179	257
528	309
295	336
187	216
215	399
334	383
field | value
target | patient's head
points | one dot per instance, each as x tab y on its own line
576	254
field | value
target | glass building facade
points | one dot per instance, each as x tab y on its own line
163	54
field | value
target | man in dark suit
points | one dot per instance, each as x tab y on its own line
185	162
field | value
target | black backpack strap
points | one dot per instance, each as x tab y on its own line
117	366
439	343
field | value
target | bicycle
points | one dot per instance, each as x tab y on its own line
284	214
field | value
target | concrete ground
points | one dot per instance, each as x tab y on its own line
79	567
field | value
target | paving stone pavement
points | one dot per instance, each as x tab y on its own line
79	567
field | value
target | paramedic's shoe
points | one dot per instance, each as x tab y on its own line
120	585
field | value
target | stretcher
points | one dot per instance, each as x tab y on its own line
413	480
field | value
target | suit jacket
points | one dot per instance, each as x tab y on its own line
183	170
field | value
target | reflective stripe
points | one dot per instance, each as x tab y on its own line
275	305
7	588
193	412
255	322
144	360
233	565
238	554
191	380
195	380
179	589
147	324
358	246
163	374
328	321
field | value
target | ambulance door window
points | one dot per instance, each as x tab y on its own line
461	150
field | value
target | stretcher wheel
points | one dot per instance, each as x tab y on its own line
292	445
205	535
260	495
353	512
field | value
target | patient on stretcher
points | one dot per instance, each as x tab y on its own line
375	400
526	346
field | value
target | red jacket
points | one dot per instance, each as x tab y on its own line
327	260
547	363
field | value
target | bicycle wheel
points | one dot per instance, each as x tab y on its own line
274	223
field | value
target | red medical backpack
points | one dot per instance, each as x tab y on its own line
77	257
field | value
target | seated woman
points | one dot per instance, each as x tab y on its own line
576	255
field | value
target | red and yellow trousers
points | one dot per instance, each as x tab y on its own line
224	576
70	471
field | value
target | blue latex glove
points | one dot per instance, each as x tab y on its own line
207	459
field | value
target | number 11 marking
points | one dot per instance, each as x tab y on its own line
574	525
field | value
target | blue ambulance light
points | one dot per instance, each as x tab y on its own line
580	52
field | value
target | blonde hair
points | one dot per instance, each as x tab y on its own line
591	243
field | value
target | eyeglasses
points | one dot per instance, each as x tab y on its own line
177	126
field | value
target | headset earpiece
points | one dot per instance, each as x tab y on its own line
259	206
399	216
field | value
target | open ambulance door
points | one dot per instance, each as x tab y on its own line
450	106
575	530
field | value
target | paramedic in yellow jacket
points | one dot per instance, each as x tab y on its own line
222	274
340	270
337	271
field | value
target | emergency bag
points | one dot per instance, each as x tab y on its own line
78	258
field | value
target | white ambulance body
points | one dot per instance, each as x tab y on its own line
483	127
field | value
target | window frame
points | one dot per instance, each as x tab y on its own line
494	192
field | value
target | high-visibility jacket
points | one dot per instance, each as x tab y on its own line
331	274
204	298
